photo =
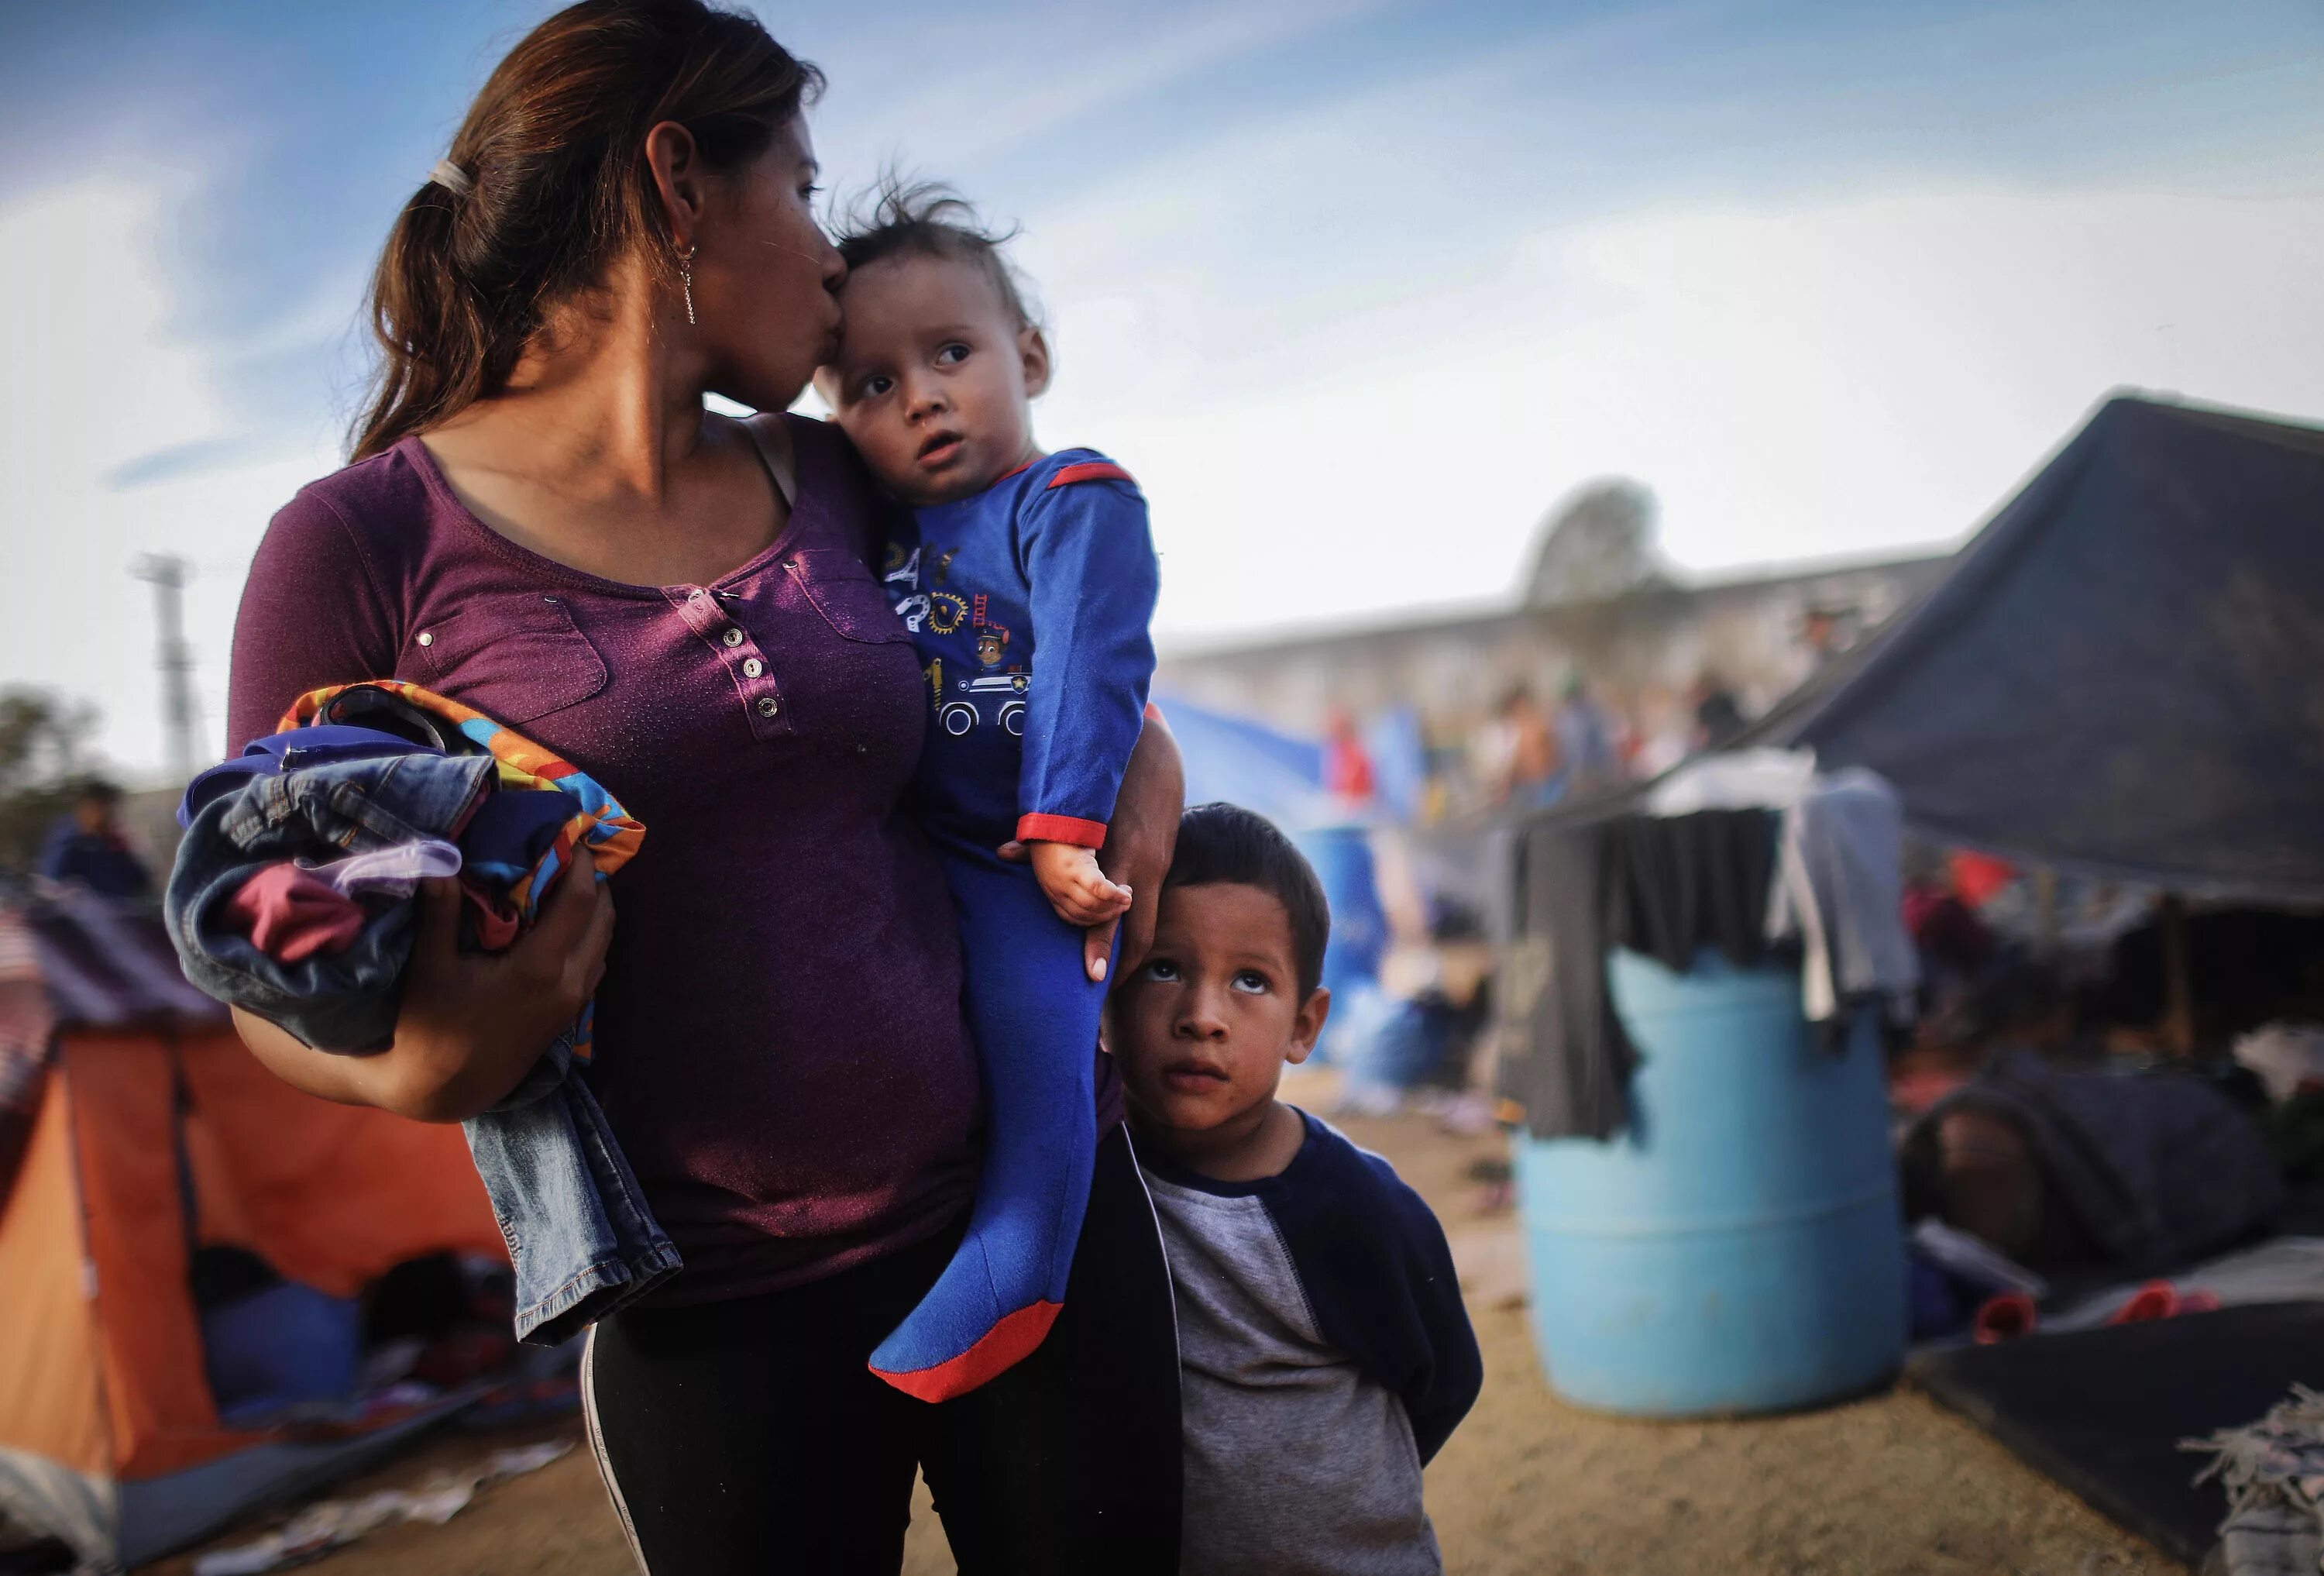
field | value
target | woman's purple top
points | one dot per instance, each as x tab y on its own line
780	1044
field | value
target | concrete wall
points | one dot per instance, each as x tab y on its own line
1637	652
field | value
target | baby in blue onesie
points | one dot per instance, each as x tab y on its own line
1026	580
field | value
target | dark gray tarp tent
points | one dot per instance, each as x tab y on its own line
2123	674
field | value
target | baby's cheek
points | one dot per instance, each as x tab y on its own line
888	455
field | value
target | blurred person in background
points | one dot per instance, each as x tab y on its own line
1585	741
87	849
1718	715
1662	738
1348	774
1820	634
1517	750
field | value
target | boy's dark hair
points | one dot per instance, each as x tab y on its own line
1228	843
927	218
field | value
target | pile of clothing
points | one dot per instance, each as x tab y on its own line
2273	1472
1752	856
294	897
291	895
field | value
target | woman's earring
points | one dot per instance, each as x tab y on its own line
685	281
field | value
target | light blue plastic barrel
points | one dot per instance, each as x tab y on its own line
1737	1249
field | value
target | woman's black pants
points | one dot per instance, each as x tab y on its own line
748	1436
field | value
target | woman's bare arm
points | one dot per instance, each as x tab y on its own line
471	1024
1140	841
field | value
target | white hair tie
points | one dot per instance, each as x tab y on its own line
452	177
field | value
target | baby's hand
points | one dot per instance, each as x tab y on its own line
1076	888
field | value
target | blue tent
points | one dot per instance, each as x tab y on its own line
1248	763
1281	777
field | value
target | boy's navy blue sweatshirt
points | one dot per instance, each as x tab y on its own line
1326	1358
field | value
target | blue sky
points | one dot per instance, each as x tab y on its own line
1359	288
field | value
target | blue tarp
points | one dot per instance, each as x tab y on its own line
1242	762
1399	757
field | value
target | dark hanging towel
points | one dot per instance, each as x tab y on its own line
1564	1054
1670	888
1666	888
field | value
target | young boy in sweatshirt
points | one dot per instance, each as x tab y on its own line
1324	1353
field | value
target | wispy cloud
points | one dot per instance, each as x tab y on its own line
932	91
176	461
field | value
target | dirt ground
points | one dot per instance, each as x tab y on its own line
1528	1487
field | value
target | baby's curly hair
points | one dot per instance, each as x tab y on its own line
927	218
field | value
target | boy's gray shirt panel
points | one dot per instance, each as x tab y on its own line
1296	1463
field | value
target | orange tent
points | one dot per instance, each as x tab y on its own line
145	1139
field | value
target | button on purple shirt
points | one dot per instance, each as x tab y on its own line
780	1044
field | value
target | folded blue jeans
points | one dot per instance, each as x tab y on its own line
570	1209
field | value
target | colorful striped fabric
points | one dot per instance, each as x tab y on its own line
610	833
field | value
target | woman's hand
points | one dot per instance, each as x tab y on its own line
1139	842
472	1024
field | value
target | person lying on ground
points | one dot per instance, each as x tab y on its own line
1324	1354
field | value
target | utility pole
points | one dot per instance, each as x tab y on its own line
168	575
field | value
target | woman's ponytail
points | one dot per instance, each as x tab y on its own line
432	336
546	185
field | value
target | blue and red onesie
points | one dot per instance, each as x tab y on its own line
1028	605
